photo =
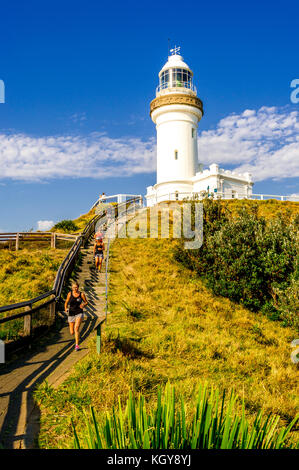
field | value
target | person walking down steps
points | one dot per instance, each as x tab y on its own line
74	304
98	253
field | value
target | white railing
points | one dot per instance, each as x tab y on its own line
179	196
176	87
119	198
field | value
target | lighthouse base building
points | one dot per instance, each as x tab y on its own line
176	111
220	183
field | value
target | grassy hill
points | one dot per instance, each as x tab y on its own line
76	225
268	209
166	325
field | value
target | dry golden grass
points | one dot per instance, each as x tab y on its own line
165	325
268	209
26	274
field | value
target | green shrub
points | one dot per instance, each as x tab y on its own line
66	225
214	425
248	259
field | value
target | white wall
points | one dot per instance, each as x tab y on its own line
174	125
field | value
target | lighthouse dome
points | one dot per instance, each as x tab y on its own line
175	60
175	77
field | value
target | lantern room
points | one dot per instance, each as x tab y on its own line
175	76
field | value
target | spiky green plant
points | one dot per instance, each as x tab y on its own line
215	425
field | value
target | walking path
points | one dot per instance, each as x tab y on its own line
51	359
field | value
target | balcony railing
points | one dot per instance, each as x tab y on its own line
177	86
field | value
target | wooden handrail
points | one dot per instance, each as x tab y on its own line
26	303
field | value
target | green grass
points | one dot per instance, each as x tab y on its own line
165	325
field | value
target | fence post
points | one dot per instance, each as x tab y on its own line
52	310
53	240
99	331
17	241
28	322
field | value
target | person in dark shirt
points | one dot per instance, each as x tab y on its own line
98	253
74	305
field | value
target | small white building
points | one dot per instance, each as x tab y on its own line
176	111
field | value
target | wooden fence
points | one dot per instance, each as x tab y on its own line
15	238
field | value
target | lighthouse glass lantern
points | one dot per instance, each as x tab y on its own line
175	76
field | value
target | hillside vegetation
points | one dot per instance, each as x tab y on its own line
267	209
73	226
250	258
166	325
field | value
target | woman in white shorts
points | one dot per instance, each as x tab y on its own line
75	302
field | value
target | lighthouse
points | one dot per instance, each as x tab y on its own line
176	112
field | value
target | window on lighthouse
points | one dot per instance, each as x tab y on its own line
165	79
181	78
176	154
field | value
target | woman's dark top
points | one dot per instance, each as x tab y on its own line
75	303
99	248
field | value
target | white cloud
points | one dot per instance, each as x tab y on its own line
44	225
95	156
264	142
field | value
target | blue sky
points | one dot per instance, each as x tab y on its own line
79	77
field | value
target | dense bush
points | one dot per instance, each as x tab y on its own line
66	226
249	260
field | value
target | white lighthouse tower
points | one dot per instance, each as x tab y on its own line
176	111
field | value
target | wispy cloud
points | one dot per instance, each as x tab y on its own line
264	142
78	117
96	156
44	225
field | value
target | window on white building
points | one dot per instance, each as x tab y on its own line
176	154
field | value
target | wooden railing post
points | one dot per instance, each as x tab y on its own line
53	240
17	241
28	322
52	310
